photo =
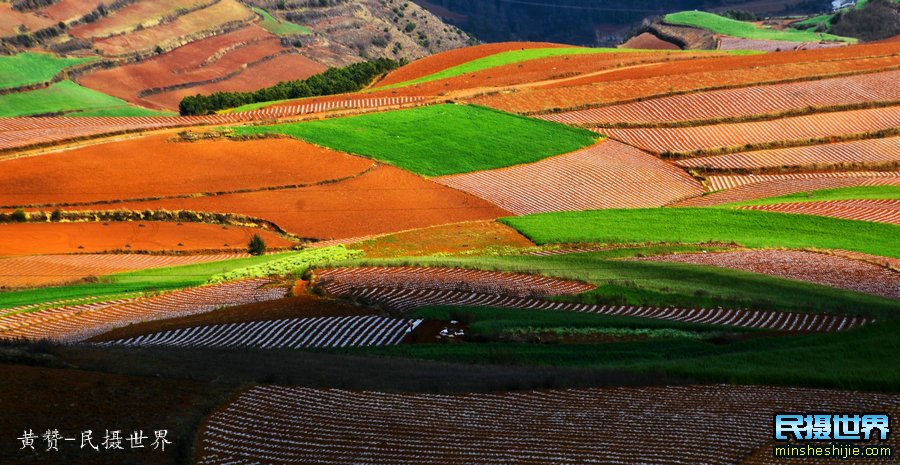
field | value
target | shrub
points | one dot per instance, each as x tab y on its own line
19	216
256	246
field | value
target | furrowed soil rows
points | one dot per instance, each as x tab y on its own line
410	299
879	211
607	175
781	187
338	281
746	101
672	424
717	183
142	169
737	43
45	270
690	139
451	238
296	333
80	322
854	152
819	268
60	238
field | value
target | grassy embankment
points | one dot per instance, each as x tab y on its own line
730	27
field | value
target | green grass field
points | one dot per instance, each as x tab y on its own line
721	25
845	193
32	68
694	225
67	96
420	139
277	26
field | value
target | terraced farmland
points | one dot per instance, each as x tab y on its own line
296	333
784	186
762	45
607	175
738	135
868	151
671	424
745	101
722	182
879	211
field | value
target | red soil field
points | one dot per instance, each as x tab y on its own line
690	139
127	18
854	152
716	183
69	9
736	43
745	101
207	19
781	187
670	425
383	200
648	41
57	238
819	268
338	281
47	270
879	211
450	238
607	175
143	168
10	20
432	64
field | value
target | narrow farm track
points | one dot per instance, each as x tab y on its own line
819	268
625	426
405	300
690	139
80	322
746	101
779	187
295	333
885	150
338	281
606	175
717	182
878	211
45	270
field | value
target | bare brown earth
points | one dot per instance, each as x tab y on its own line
56	238
451	238
818	268
648	41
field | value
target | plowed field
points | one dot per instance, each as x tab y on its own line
129	17
879	211
717	183
781	187
854	152
736	43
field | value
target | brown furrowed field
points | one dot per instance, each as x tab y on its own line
739	43
861	152
819	268
450	238
734	136
779	187
879	211
69	9
665	425
134	17
10	20
648	41
742	102
717	183
607	175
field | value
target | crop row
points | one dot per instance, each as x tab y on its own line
854	152
409	299
717	183
295	333
607	175
779	187
670	425
879	211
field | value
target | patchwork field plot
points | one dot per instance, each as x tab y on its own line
406	300
80	322
867	151
730	27
61	238
779	187
338	281
746	101
880	211
691	139
762	45
577	426
32	68
69	9
134	17
66	97
450	238
11	21
297	333
717	182
820	268
45	270
607	175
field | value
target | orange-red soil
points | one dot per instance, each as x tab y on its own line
648	41
129	17
450	238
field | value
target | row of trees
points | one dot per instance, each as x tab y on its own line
333	81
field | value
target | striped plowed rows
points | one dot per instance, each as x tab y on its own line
43	270
690	139
879	211
737	43
669	425
566	251
24	132
746	101
607	175
80	322
717	182
885	150
781	187
338	281
410	299
828	270
294	333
